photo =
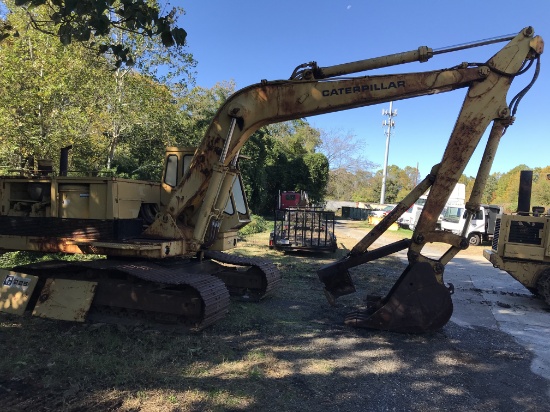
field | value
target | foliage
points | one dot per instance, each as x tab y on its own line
318	172
366	186
89	21
196	109
13	259
501	188
282	157
541	187
54	96
120	119
257	225
47	97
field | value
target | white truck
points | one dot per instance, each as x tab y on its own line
481	227
410	217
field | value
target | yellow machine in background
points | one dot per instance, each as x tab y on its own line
521	245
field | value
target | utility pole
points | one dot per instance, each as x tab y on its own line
390	123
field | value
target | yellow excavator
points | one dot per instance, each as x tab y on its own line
164	241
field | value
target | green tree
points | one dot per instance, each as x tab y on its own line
540	194
506	193
59	95
318	170
257	177
49	96
197	108
92	22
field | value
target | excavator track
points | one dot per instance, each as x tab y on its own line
181	293
194	293
260	278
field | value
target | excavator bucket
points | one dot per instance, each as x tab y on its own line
337	284
417	303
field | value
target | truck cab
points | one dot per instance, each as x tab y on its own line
481	227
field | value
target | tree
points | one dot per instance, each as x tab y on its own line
151	124
318	171
197	107
295	137
55	95
490	188
506	193
127	101
343	151
257	173
406	180
90	21
282	157
540	194
48	95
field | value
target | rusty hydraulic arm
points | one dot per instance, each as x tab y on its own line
194	204
420	301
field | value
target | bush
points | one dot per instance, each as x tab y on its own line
257	225
12	259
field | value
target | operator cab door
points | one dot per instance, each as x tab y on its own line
477	224
176	164
236	212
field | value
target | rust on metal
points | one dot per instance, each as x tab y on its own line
417	303
190	292
65	299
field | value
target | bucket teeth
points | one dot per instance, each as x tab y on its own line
417	303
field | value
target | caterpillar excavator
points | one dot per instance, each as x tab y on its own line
164	241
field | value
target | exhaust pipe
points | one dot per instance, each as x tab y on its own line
64	160
524	193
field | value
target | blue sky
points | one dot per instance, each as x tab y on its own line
251	40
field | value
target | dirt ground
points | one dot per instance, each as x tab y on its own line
289	352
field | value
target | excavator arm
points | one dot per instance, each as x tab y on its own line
197	203
198	195
420	301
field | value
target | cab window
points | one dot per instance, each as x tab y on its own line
171	172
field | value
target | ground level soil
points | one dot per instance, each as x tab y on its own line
289	352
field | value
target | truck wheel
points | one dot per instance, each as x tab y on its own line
474	239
